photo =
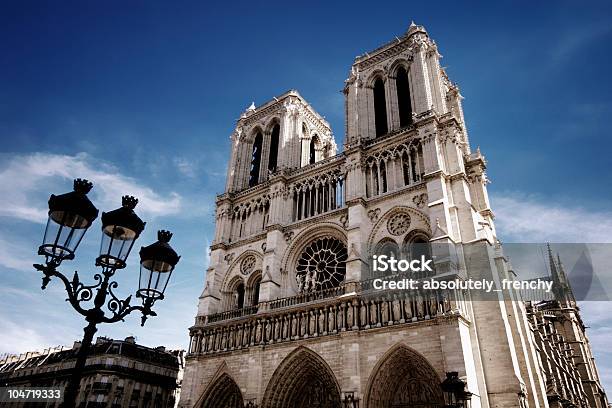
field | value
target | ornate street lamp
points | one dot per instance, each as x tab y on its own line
70	215
120	229
454	391
157	261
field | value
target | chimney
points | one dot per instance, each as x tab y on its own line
102	340
130	339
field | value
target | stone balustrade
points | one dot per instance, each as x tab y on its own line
231	314
285	320
306	297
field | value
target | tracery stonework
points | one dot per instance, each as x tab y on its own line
322	265
398	224
289	316
247	265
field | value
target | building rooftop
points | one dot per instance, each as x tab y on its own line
253	109
103	346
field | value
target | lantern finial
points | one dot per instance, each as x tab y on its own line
164	236
129	202
82	186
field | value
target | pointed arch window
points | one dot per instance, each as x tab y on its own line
255	291
417	245
239	295
273	161
404	103
383	177
420	247
406	168
380	108
255	160
314	144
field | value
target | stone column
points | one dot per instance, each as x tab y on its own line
233	164
435	79
264	157
419	78
392	105
358	225
305	150
271	275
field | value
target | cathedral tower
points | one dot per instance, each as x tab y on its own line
289	316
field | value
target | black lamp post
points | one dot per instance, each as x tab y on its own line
454	389
70	215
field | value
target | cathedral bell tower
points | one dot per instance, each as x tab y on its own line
290	316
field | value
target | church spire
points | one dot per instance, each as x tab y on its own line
561	287
567	287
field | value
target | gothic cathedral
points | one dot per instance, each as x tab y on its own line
289	318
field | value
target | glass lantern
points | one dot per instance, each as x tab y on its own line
120	229
454	389
157	261
70	215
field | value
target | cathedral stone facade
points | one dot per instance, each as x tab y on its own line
289	317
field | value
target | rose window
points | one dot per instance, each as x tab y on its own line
322	265
399	224
247	265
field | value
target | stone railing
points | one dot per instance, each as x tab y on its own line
329	316
306	297
273	304
337	159
231	314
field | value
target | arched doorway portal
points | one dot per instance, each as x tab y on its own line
302	380
404	379
222	393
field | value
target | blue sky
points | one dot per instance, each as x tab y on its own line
140	97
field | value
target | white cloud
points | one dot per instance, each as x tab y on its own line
20	338
186	167
596	313
524	218
15	256
24	177
576	37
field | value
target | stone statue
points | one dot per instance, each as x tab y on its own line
268	331
258	332
294	331
349	316
240	337
332	319
312	326
384	313
373	314
285	324
363	314
321	319
277	328
303	323
312	280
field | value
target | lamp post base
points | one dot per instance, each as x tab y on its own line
72	389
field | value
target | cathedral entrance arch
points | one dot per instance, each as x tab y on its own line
223	392
404	379
302	380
